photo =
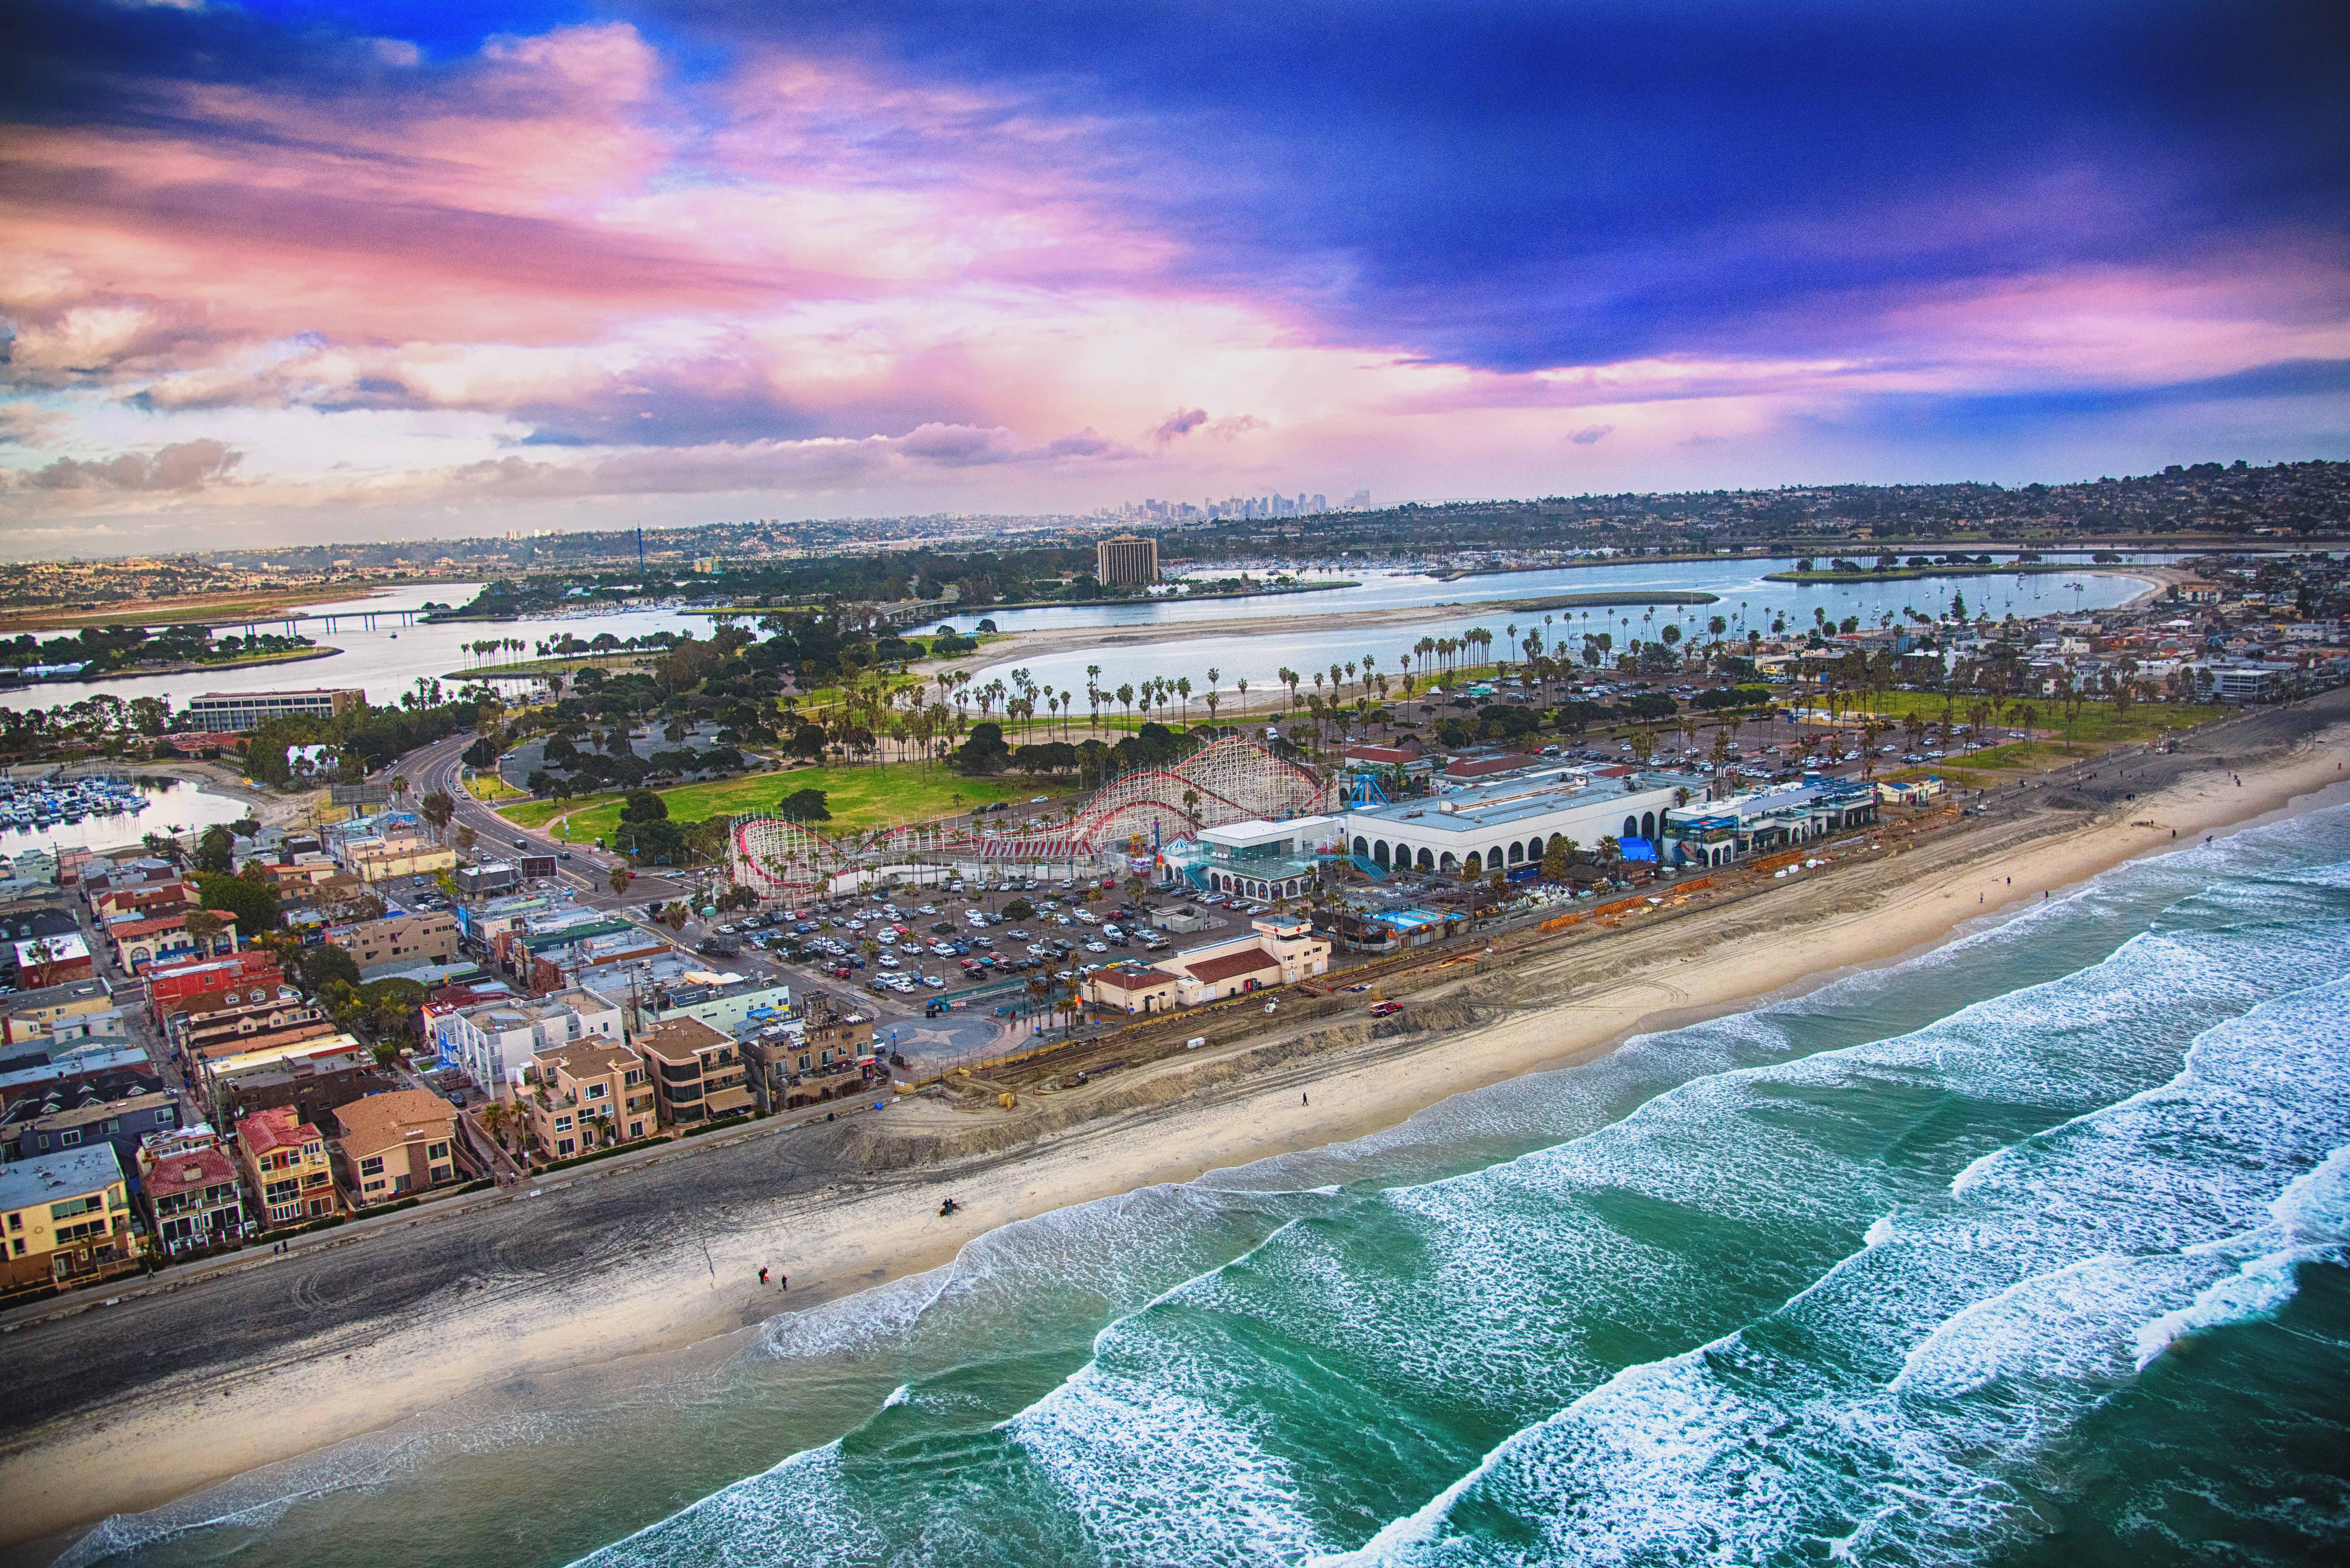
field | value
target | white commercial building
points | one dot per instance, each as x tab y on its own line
244	709
494	1042
1264	859
1512	821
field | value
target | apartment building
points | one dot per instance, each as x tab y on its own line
287	1164
310	1077
696	1071
33	1015
399	942
394	1145
587	1096
181	987
67	1217
237	712
142	1105
493	1043
141	943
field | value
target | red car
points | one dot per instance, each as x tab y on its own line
1386	1009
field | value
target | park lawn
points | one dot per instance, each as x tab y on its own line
2028	756
490	786
859	798
2097	724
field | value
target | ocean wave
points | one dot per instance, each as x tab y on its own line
2108	1238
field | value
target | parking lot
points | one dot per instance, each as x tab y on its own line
968	946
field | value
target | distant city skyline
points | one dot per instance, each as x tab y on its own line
375	269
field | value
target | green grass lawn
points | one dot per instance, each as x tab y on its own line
2096	725
2027	756
860	798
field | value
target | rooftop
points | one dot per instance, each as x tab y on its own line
49	1177
585	1058
1132	978
1481	807
72	990
1231	966
380	1121
279	1127
186	1170
676	1039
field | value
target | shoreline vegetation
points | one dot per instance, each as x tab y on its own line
206	609
183	667
1996	569
857	1200
947	611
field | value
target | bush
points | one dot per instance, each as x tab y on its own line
555	1165
737	1121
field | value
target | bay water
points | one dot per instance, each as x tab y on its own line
2029	1248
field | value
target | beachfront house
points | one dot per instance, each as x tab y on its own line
588	1094
395	1145
287	1164
65	1217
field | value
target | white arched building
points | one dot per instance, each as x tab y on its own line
1511	822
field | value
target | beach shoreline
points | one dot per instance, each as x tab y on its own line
850	1229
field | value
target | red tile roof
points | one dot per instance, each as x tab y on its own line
1233	966
177	1173
279	1127
1133	979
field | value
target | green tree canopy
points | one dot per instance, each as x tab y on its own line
804	805
252	902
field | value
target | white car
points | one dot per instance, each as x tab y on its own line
1096	946
935	982
887	961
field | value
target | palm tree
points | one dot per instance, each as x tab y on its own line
1183	690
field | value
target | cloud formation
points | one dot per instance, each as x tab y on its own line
872	255
182	466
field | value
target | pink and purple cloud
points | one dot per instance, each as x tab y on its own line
384	268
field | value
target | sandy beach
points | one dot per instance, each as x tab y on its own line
843	1215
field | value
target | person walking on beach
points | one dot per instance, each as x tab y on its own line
763	1276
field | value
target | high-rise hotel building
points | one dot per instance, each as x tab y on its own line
1124	559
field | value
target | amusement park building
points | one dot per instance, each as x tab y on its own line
1510	823
1264	859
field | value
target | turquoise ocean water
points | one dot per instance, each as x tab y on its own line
2031	1250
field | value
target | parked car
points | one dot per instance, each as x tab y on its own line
1386	1009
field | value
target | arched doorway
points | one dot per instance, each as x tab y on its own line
1362	848
1647	825
1427	861
1379	855
1476	865
1517	853
1631	828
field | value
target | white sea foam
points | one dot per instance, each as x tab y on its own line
1157	1477
2228	1178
